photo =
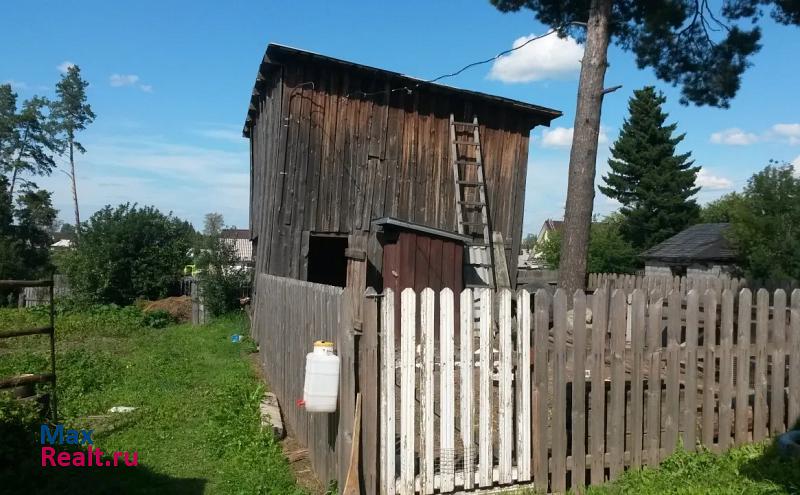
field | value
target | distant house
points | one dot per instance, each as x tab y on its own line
700	250
62	241
241	242
549	228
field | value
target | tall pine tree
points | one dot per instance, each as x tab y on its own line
654	184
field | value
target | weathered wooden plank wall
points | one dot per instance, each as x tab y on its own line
645	373
331	150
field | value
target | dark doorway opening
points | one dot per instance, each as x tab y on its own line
326	261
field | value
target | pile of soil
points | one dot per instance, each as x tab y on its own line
179	308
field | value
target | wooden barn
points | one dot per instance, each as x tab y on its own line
356	169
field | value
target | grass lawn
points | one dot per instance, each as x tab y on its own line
751	469
196	424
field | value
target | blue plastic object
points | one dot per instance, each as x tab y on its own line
789	444
236	338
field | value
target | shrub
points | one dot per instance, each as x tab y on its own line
157	319
128	252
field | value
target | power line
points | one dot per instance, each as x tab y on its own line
469	66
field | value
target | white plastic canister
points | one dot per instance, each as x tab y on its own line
321	386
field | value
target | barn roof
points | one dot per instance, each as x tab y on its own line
278	54
701	242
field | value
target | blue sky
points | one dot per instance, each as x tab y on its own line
170	83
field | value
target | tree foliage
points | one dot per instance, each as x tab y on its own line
685	42
765	224
720	210
222	273
609	252
529	242
653	182
129	252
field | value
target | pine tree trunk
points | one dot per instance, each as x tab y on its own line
583	156
74	190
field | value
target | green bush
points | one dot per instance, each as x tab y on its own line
128	252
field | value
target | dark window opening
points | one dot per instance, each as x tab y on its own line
326	261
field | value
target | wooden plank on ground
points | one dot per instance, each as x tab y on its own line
777	407
725	371
690	389
485	415
447	443
742	407
539	395
638	327
760	380
426	448
558	481
408	300
598	388
615	440
387	446
505	396
467	372
523	382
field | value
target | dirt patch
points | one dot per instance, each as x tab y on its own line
179	308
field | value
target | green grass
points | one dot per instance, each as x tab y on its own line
196	427
751	469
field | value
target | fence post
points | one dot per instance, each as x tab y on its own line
368	380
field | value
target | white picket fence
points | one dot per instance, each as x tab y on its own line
511	394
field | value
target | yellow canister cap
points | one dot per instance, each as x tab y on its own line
323	343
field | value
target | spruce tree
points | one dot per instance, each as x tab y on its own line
654	184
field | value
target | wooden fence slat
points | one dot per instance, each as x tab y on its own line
426	448
408	300
760	380
467	372
485	416
447	446
690	389
598	386
725	371
559	408
616	415
539	394
778	375
638	302
369	383
387	479
653	432
523	390
709	366
794	362
672	402
505	396
579	390
742	407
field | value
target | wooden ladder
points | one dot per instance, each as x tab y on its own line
472	213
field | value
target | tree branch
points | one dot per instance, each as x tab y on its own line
611	89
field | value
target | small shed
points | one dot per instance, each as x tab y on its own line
700	250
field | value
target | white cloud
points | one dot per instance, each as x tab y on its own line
233	135
789	132
561	137
711	182
64	66
734	137
119	80
547	58
132	80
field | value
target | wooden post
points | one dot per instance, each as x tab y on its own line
368	382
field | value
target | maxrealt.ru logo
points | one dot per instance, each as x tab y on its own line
59	435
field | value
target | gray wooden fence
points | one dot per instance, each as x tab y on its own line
288	316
